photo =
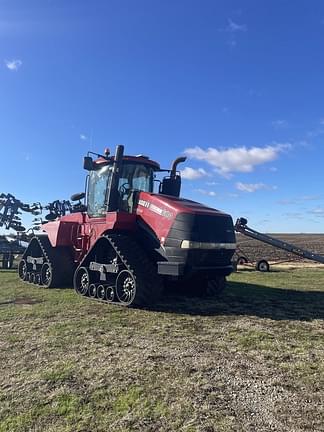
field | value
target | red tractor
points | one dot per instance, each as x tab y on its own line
126	241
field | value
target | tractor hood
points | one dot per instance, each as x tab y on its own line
191	220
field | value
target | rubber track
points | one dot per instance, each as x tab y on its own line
136	261
57	257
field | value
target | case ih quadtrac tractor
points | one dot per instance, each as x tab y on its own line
126	241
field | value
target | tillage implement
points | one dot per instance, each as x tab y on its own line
125	242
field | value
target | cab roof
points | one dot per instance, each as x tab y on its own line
132	159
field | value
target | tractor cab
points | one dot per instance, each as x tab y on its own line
115	182
133	177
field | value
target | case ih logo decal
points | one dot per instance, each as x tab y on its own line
155	209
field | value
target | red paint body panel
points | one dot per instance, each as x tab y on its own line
163	209
79	231
61	233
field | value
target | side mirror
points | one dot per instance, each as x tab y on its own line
88	163
77	196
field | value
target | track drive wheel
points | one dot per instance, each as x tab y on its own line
262	266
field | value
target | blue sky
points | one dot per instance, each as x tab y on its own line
236	86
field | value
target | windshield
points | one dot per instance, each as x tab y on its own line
98	182
133	177
136	177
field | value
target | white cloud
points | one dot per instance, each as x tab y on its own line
193	174
299	200
253	187
206	192
234	27
279	124
319	212
310	198
237	159
83	137
13	65
294	215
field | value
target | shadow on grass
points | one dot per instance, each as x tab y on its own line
252	300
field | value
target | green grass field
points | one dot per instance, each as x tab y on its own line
250	361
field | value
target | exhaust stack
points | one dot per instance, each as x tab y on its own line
112	198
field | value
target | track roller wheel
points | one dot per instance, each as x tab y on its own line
38	279
28	274
22	270
92	291
125	287
110	293
47	276
262	266
101	292
32	278
81	281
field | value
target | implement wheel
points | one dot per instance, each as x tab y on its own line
241	260
262	266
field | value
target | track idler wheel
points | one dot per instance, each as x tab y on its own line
81	281
22	270
125	287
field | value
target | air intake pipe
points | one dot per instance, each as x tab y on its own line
113	194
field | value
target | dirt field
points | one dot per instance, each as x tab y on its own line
249	361
256	250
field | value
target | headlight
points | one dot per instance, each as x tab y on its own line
189	244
